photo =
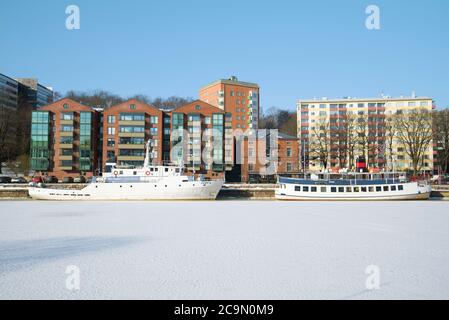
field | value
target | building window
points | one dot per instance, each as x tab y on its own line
132	117
65	106
67	116
154	119
111	119
289	167
207	120
111	142
111	131
289	152
132	107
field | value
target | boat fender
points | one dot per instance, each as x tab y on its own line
148	173
115	173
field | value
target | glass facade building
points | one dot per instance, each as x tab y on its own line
40	144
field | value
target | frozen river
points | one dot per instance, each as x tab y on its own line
224	250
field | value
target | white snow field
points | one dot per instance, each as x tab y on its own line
224	250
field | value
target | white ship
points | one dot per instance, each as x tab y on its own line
352	186
150	182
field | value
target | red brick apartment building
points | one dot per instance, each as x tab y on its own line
239	98
126	129
202	123
64	138
70	139
255	153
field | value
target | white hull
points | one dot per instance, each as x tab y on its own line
168	190
410	191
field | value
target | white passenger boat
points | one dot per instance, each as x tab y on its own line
352	186
150	182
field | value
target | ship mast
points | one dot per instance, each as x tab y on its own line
149	150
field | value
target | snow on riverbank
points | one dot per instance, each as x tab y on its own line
224	249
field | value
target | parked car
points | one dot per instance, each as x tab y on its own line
19	180
67	180
51	179
5	180
80	179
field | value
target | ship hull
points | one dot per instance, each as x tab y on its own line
191	190
289	190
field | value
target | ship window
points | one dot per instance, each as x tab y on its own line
313	189
393	188
385	188
400	187
333	189
166	169
356	189
378	189
177	170
134	172
341	189
371	189
348	189
297	188
121	172
156	169
151	169
363	189
323	189
305	189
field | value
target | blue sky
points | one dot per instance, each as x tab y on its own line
292	49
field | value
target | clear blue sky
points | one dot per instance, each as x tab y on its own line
293	49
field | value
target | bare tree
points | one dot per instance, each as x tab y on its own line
441	138
6	134
320	143
350	138
390	138
414	132
362	135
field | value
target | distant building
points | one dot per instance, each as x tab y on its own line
239	98
8	92
64	137
318	116
33	93
266	156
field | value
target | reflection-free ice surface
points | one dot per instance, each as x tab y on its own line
224	249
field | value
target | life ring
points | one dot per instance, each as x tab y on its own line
148	173
115	173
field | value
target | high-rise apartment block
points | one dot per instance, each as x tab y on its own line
241	99
324	127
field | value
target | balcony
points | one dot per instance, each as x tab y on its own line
70	157
131	146
132	134
132	123
130	158
66	146
66	122
66	133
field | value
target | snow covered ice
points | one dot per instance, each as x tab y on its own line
224	249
